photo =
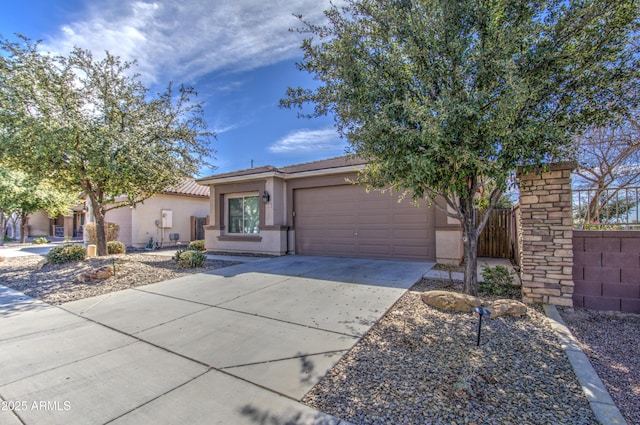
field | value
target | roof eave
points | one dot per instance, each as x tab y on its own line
209	181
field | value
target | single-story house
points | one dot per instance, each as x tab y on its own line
175	216
41	224
314	209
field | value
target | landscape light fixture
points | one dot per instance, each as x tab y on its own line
265	197
481	312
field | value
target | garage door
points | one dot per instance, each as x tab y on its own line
348	221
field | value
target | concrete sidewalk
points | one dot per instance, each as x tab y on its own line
240	345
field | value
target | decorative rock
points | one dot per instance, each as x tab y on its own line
95	275
507	308
445	300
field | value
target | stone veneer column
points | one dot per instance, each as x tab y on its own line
546	254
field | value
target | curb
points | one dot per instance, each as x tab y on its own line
599	399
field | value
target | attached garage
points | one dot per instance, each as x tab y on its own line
313	209
347	221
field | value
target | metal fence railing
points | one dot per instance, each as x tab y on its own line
608	209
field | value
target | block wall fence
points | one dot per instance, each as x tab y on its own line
606	270
592	269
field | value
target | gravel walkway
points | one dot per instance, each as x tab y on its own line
419	365
55	284
611	340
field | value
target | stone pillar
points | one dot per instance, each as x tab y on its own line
546	255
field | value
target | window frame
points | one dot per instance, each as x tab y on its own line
243	197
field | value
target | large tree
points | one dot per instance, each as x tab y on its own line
441	97
90	124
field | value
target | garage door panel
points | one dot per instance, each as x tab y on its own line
348	221
409	234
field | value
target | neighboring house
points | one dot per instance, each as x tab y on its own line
41	224
313	209
173	217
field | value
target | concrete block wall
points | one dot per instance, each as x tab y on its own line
606	270
546	255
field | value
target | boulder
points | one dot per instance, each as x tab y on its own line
446	300
511	308
95	275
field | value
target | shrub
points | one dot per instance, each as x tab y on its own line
116	247
8	239
178	253
113	231
196	246
39	241
191	259
498	280
66	254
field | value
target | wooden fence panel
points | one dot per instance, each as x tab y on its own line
495	240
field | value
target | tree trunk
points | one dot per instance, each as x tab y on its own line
98	215
470	239
101	235
3	227
24	226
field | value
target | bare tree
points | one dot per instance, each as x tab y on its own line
608	164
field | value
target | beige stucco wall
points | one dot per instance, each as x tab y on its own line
39	224
121	217
144	216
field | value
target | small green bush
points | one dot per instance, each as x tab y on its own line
66	254
116	247
39	241
498	280
8	239
178	253
191	259
196	246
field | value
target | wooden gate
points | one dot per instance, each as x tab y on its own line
197	227
495	240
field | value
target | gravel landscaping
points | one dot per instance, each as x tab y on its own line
55	284
419	365
611	340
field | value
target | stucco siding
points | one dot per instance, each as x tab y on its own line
39	224
121	217
147	219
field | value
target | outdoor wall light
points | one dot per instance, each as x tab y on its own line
265	197
481	312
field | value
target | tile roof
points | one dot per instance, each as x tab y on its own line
188	186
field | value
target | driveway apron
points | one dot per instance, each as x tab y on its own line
239	345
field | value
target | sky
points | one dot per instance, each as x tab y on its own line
239	55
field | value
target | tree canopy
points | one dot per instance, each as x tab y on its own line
442	97
22	195
91	125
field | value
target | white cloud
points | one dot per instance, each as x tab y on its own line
302	141
223	129
190	39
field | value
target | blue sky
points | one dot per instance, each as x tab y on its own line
239	55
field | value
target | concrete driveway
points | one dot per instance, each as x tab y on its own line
241	345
